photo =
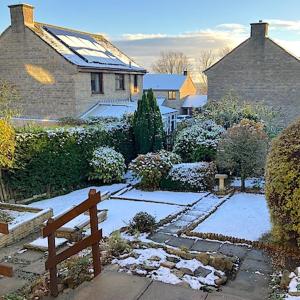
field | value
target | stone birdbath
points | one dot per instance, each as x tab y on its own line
221	178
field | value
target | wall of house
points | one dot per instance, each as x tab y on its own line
170	103
43	78
259	71
188	88
84	98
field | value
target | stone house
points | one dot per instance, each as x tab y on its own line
62	72
259	70
174	89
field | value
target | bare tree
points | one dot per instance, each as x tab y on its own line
172	63
206	59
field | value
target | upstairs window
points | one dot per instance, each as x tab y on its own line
172	95
135	83
120	82
97	83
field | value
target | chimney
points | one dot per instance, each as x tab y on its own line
259	31
21	16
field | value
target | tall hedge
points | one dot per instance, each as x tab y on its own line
58	161
283	185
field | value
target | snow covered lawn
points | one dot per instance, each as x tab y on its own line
61	203
177	198
120	212
243	216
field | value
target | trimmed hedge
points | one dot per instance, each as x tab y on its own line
57	161
283	185
190	177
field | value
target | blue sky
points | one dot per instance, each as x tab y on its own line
143	28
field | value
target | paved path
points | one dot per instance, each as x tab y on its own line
120	286
253	276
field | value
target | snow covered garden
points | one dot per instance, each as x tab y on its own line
148	192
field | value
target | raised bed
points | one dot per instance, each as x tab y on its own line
26	220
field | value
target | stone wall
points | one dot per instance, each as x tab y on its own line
43	78
188	88
259	71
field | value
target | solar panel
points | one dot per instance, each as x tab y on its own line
85	46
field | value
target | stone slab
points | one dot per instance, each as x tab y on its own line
159	237
248	285
158	290
220	296
252	265
205	246
37	267
9	285
234	250
171	229
110	286
258	255
180	242
30	255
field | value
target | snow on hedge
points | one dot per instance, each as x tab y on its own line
199	175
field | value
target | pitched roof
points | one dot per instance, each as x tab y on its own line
86	50
194	101
164	81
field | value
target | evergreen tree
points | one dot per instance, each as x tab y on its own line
147	125
156	126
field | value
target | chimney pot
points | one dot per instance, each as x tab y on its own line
21	16
259	31
185	72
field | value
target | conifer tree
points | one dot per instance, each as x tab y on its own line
147	125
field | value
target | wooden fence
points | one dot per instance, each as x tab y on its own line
93	240
4	269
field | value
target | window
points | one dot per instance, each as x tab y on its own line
97	83
172	95
135	83
120	84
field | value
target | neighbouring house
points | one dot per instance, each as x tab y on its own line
175	89
63	72
259	70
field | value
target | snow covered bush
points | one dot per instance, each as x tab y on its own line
151	167
243	149
283	185
198	176
107	165
199	141
142	222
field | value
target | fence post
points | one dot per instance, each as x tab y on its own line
52	255
94	231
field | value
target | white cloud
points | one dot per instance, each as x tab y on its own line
276	24
142	36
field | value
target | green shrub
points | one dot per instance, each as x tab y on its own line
5	217
142	222
198	142
57	160
190	177
242	150
117	245
283	185
152	167
108	165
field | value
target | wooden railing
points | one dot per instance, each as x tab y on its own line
93	240
4	269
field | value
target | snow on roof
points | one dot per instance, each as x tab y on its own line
163	81
119	110
86	50
194	101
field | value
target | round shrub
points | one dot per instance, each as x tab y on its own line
198	176
199	141
151	167
283	185
107	165
142	222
